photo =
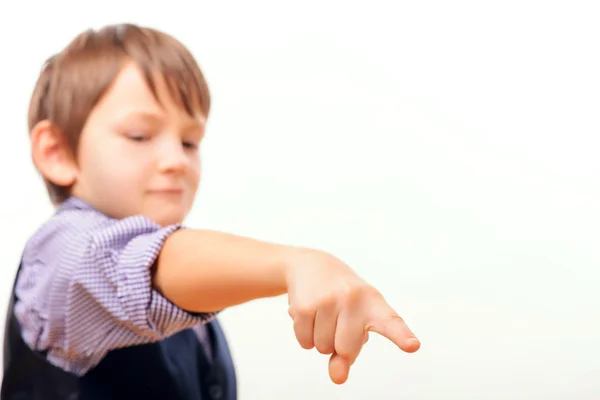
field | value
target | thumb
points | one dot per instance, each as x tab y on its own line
339	369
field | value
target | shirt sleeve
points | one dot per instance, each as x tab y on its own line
83	294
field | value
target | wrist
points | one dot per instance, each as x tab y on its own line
296	259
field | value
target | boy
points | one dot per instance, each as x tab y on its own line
114	298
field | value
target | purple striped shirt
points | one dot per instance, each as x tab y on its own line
85	287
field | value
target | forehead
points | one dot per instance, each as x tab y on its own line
130	94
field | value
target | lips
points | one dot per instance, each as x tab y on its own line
167	191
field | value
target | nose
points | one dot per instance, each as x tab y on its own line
172	157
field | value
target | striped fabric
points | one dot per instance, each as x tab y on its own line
85	288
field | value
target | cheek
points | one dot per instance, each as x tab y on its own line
113	167
195	169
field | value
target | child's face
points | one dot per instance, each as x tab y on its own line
139	156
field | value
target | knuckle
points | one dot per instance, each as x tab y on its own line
360	293
325	348
304	311
328	300
345	352
394	318
384	324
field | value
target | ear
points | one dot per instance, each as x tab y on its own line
52	155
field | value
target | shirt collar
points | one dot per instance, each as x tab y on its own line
74	203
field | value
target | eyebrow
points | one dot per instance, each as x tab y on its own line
140	114
156	118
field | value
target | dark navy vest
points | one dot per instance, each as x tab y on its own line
175	368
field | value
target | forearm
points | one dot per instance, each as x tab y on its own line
205	271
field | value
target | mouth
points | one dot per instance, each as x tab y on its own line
167	192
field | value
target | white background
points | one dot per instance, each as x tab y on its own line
446	150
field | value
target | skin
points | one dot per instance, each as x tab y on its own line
138	156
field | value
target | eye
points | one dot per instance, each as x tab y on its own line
190	145
138	137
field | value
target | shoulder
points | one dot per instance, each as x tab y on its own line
77	229
73	226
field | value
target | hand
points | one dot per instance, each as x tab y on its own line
334	310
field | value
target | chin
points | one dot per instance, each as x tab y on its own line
166	219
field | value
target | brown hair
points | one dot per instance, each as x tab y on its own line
73	81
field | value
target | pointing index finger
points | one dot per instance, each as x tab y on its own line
392	326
